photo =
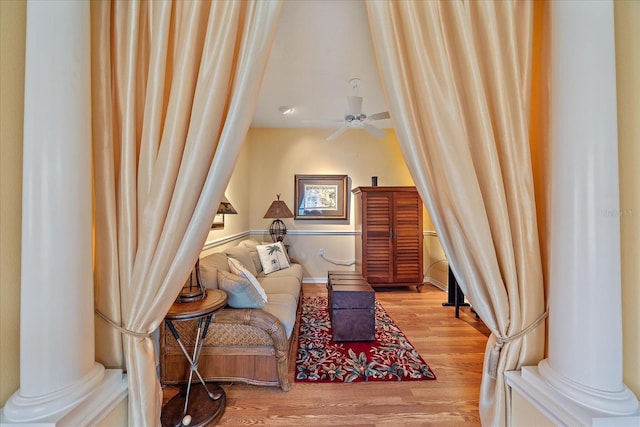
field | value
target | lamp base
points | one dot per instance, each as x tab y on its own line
191	295
193	289
277	230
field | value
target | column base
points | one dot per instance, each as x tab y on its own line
87	404
562	410
622	402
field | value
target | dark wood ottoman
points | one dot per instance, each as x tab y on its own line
351	309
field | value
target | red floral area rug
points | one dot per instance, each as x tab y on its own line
390	357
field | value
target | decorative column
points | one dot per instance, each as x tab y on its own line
580	383
58	372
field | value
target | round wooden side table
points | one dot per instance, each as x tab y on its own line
203	403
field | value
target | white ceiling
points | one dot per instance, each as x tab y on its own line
320	45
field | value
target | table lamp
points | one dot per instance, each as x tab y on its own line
225	207
277	210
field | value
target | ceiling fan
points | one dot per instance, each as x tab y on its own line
356	118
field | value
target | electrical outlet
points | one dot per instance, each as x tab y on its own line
321	251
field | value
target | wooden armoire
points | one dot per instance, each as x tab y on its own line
388	224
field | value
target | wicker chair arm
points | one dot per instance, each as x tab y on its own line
257	318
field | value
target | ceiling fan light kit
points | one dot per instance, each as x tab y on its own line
355	103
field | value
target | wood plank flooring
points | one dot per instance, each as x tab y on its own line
453	348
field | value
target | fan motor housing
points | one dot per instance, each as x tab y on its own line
359	117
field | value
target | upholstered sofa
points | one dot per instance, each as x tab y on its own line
249	340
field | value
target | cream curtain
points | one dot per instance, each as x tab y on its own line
457	78
174	87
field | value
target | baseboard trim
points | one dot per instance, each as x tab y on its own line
314	280
438	284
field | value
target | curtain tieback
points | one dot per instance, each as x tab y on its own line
494	354
120	328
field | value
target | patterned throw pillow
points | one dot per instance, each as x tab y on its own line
240	293
237	268
272	257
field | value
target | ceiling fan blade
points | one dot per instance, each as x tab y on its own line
355	104
373	130
380	116
337	133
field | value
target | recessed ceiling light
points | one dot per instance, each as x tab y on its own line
285	109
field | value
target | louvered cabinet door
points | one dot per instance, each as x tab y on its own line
407	236
377	247
389	235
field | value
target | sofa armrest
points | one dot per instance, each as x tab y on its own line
268	323
257	318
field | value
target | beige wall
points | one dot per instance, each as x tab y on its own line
12	39
524	414
277	155
627	18
436	266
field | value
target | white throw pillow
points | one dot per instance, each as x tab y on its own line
236	267
272	257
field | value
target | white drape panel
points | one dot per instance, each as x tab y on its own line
174	87
457	78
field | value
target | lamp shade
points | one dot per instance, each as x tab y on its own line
225	207
278	209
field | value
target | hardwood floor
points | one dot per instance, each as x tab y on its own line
452	347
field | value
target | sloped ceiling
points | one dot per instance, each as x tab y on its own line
320	45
